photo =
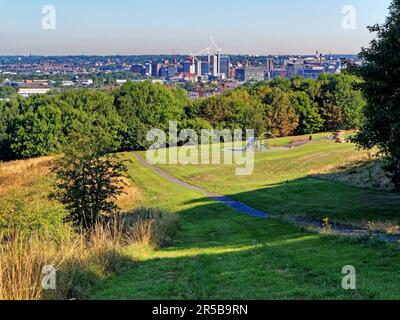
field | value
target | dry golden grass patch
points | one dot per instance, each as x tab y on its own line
22	260
131	195
22	173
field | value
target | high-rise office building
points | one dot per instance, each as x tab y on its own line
139	69
205	68
224	68
148	68
270	64
155	69
215	65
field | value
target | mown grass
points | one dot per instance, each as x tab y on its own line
220	254
283	182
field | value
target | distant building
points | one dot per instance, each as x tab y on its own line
215	65
155	69
172	71
138	69
121	81
163	72
148	69
311	72
270	65
67	83
205	68
224	68
250	74
194	95
293	69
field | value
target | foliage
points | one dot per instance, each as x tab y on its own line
381	87
282	118
234	110
6	91
310	120
43	124
88	181
144	106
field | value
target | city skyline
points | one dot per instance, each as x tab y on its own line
156	27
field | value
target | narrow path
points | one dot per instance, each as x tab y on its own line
235	205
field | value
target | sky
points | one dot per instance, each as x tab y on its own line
128	27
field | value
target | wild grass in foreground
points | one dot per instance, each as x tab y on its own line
80	259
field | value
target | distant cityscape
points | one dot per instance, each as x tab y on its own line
205	73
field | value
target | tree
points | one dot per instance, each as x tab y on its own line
381	87
280	114
309	119
38	132
340	102
8	115
88	181
144	106
234	110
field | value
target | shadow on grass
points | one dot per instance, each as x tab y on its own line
322	199
220	254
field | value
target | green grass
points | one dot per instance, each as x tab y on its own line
220	254
282	184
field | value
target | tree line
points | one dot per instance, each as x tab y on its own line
43	124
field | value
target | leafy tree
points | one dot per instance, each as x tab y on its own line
381	87
38	132
280	114
309	119
340	102
92	109
234	110
8	115
283	84
144	106
6	91
88	180
196	124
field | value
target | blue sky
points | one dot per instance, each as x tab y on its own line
183	26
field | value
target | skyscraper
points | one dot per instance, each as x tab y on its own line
155	69
215	65
224	68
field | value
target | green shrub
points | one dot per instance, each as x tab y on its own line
28	212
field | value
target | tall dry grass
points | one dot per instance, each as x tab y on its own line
97	254
17	175
22	260
130	195
151	226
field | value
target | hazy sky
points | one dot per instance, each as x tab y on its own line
183	26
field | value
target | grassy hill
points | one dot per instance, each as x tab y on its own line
221	254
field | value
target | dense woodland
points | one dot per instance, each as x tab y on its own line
43	124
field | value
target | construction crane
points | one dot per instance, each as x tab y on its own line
193	58
217	48
218	51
